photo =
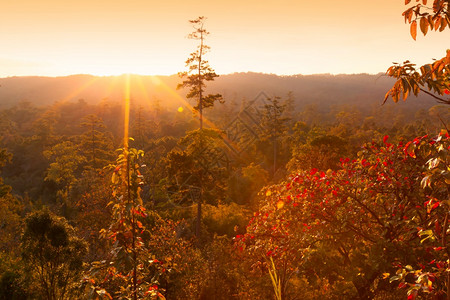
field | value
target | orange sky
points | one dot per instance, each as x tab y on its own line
100	37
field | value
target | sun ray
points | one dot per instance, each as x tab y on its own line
80	89
111	85
205	120
143	90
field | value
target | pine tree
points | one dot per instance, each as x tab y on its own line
199	72
96	143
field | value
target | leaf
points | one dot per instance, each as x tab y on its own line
407	2
114	178
423	240
103	293
424	25
405	88
433	162
430	22
413	29
409	149
437	23
386	96
443	24
427	233
405	94
425	182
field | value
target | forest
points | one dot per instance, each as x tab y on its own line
261	191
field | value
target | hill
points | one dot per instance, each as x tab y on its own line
360	90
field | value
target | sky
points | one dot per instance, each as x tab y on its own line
147	37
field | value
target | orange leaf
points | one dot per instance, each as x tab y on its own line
437	23
413	29
443	24
386	96
424	25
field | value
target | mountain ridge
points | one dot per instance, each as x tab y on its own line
349	89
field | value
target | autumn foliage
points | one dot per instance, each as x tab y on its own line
370	218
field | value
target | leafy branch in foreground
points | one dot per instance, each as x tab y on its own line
432	79
131	272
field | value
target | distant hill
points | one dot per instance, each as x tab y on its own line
360	90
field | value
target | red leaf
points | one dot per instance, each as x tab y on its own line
435	205
385	138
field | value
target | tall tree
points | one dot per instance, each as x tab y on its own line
96	143
199	72
274	128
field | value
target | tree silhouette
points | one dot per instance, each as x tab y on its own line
199	72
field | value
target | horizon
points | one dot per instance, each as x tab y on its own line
171	75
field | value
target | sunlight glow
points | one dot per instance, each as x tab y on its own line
80	89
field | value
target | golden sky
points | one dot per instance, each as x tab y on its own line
62	37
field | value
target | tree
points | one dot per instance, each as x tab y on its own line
64	168
10	210
199	72
308	223
130	272
429	275
274	128
96	144
315	148
432	79
197	167
52	253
